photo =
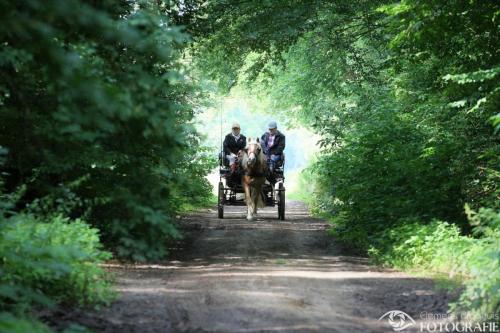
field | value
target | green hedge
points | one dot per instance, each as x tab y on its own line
49	262
439	247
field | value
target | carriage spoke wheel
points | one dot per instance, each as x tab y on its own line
220	201
281	201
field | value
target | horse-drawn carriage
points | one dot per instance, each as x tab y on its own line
231	190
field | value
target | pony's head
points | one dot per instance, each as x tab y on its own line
254	156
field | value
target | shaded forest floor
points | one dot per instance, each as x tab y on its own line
232	275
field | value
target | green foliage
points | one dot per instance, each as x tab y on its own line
45	262
10	323
302	183
415	245
232	30
52	261
439	247
48	262
96	114
96	110
403	95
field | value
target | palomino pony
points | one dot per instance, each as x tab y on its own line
254	164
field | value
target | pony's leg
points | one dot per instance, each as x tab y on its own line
249	213
248	199
251	206
255	199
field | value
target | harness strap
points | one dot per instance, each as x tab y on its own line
260	174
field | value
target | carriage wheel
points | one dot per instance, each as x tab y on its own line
220	201
281	201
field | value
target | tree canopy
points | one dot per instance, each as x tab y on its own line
96	110
405	96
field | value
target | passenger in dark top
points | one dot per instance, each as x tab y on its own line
233	143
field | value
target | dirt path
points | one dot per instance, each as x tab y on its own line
263	276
